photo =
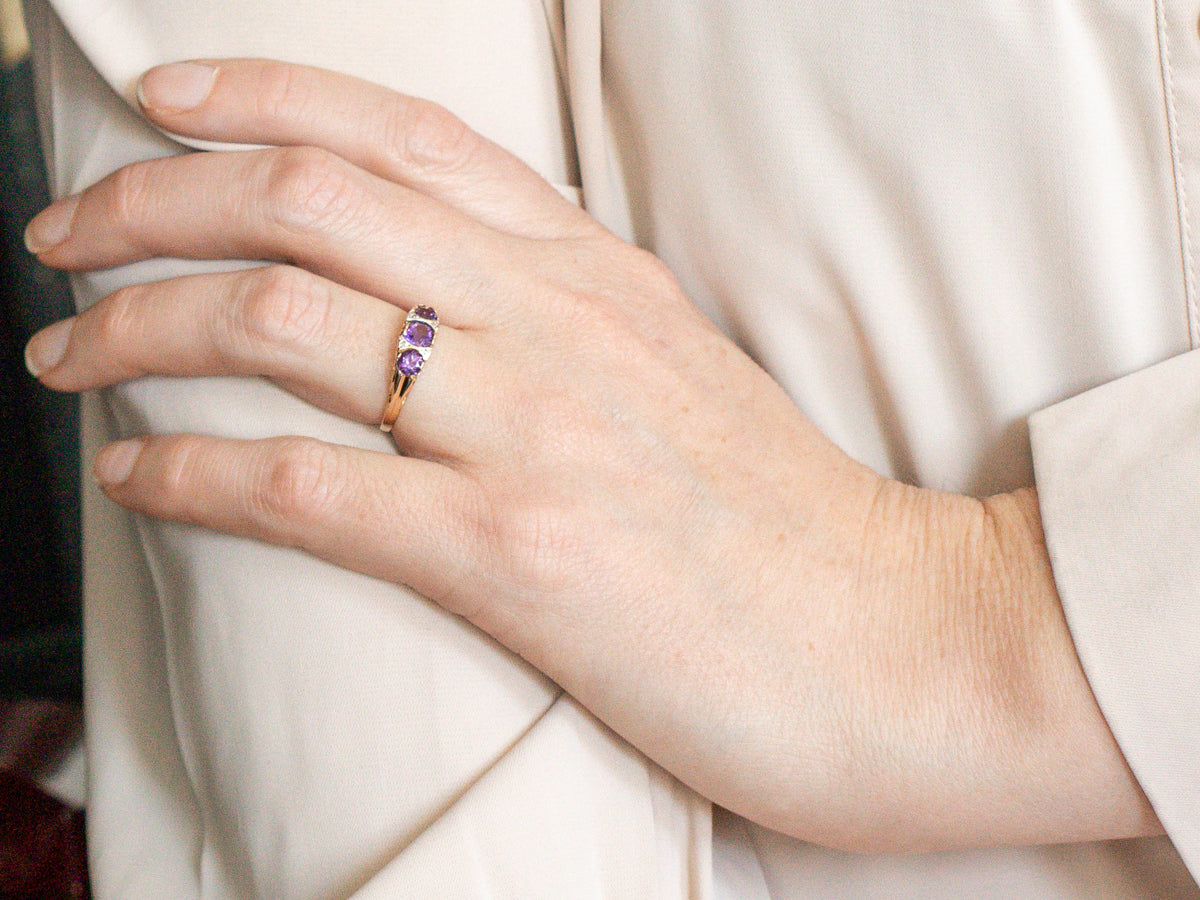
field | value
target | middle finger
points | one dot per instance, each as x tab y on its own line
299	205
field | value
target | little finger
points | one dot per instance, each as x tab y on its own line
353	507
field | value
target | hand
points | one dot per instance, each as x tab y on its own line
589	472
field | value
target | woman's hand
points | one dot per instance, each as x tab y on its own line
589	472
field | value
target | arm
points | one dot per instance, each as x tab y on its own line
847	659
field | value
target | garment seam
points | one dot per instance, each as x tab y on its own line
1181	200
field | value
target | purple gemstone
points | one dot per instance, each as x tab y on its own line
418	334
410	362
425	312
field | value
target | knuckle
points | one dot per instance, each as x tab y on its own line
539	545
281	93
283	306
181	459
119	320
638	308
429	136
311	189
655	275
300	481
132	197
594	312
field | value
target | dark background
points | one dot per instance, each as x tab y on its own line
39	457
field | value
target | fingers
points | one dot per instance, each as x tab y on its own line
297	205
404	520
327	344
399	138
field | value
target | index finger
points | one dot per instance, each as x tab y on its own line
404	139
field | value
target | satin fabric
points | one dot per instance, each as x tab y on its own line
960	237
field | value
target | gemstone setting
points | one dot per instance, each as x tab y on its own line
419	334
412	349
410	362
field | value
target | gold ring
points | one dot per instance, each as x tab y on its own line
412	352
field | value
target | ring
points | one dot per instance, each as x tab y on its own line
412	351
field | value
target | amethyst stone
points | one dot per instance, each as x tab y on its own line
410	362
425	312
418	334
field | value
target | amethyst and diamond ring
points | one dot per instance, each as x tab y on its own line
412	351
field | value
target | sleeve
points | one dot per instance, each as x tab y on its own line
1118	475
260	722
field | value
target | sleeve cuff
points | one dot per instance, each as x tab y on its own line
1118	476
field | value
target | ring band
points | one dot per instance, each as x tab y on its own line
412	352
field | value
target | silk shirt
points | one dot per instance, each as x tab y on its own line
959	235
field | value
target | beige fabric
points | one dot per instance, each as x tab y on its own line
928	221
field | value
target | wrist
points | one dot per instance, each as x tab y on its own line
979	727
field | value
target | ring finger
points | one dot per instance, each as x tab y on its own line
327	344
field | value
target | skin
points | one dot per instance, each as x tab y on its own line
848	659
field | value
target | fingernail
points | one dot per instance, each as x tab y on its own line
176	86
51	226
115	462
46	348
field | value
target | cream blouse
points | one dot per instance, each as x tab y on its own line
958	234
